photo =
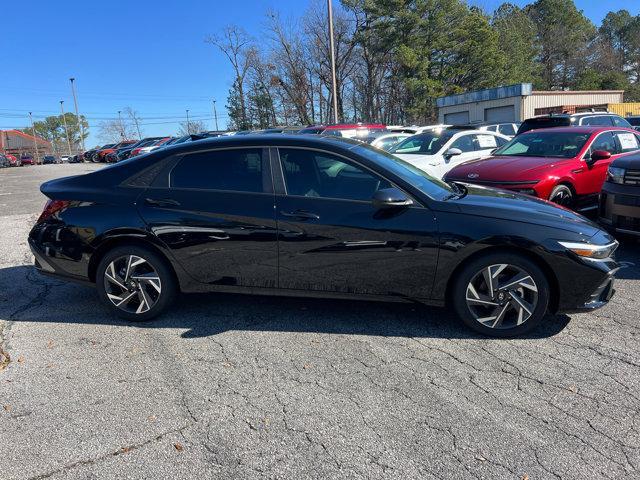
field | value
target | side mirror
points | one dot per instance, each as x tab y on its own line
391	198
598	155
452	152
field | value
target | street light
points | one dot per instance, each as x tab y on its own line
333	63
188	124
66	129
35	139
215	115
121	125
75	104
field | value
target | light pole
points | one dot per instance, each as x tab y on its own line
121	125
215	114
188	124
333	63
35	139
75	104
66	129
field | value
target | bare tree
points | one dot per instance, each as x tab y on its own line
194	126
135	119
239	49
113	131
291	59
316	29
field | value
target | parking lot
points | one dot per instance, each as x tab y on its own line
231	386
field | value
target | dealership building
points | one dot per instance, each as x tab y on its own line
16	142
514	103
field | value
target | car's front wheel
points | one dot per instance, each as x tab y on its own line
562	195
135	283
501	295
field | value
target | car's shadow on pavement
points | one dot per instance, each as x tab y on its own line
27	296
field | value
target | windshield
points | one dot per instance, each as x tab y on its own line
433	187
428	143
545	144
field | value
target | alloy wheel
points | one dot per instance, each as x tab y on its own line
562	197
132	284
502	296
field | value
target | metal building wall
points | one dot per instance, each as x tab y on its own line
547	100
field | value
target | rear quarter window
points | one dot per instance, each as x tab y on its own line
234	170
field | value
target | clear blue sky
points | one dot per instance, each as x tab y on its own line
145	54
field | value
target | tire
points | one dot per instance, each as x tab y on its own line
150	283
498	314
562	195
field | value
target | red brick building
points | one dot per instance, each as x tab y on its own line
16	142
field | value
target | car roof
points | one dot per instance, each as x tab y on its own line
579	129
267	140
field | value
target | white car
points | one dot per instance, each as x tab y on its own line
438	151
388	140
508	129
414	129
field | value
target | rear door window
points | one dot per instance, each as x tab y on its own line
620	122
627	141
238	170
485	142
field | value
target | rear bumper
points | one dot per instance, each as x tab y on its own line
619	208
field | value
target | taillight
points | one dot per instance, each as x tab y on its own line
51	208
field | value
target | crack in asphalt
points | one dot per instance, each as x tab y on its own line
120	451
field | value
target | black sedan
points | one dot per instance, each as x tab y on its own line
318	216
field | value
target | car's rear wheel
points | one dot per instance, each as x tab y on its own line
135	283
501	295
562	195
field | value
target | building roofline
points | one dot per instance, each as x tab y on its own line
574	92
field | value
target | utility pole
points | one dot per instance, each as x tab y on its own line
188	123
75	104
121	125
215	114
35	139
333	63
66	129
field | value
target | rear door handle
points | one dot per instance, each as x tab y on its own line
163	202
301	214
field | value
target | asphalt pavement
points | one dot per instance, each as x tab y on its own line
231	386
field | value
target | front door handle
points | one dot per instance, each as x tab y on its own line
163	202
301	215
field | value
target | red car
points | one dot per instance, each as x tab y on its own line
27	159
102	154
566	165
13	160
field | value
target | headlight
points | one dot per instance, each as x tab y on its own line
590	250
615	175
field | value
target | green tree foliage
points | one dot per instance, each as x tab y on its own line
564	35
517	39
238	120
53	129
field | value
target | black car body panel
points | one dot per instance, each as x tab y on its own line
620	202
278	241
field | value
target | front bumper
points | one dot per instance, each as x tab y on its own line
620	208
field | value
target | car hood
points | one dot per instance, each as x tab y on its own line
507	205
505	168
629	162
